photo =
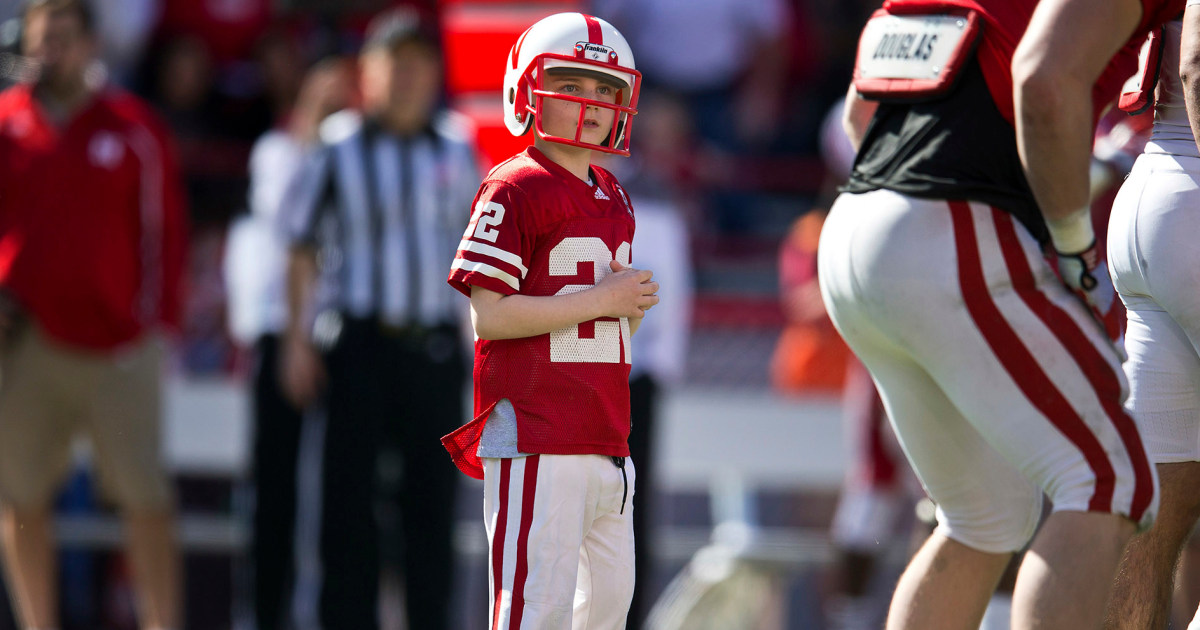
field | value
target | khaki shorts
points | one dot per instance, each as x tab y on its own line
49	393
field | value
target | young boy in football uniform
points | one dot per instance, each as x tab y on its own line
545	260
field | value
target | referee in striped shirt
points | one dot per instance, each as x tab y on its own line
372	221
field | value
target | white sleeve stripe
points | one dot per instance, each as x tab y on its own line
487	270
495	252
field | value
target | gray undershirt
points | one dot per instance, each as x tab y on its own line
499	437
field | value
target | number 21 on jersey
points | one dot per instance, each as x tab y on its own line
611	339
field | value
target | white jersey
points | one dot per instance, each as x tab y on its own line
1171	135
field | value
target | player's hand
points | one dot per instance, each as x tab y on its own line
628	292
302	373
1086	275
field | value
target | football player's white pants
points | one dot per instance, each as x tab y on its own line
997	380
1155	266
560	537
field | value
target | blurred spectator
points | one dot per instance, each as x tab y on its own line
281	68
125	27
255	270
229	28
182	85
214	132
364	7
372	221
661	243
206	346
122	26
725	58
727	61
90	273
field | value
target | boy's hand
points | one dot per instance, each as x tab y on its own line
627	292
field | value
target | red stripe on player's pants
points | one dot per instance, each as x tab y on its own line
528	491
882	461
1103	379
498	542
595	35
1019	362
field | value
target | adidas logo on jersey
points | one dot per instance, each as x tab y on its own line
600	194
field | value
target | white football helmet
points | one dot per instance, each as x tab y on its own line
570	40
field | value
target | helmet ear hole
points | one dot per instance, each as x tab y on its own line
519	99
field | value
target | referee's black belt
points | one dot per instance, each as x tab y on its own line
410	331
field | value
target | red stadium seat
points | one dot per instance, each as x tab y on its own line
478	35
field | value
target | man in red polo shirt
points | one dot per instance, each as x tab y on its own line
92	238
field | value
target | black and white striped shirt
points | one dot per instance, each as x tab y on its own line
386	213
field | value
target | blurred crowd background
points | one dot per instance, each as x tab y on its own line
735	138
738	143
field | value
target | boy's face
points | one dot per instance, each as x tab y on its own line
561	118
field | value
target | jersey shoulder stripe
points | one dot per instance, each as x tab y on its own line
467	267
491	251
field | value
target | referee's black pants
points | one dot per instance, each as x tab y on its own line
407	384
643	411
276	446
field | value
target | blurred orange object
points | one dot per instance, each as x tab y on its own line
810	355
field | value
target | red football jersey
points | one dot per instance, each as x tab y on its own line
538	230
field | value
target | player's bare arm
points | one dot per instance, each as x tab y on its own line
1060	57
1064	50
856	116
625	293
1189	66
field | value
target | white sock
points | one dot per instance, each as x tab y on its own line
999	613
852	613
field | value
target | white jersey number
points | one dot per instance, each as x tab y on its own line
487	216
610	338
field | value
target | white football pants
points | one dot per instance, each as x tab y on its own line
999	383
560	537
1155	266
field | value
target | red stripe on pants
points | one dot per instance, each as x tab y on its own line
498	542
528	491
1019	362
1103	380
882	461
